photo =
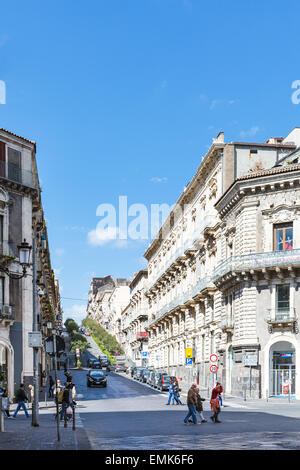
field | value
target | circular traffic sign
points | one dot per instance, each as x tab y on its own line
213	358
213	369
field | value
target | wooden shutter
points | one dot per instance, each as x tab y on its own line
2	158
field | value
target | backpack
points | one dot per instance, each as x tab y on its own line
60	396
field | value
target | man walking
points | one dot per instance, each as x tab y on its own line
191	403
21	398
51	383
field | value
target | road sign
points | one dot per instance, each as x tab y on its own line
189	352
77	352
213	369
144	354
213	358
60	345
35	339
250	360
189	361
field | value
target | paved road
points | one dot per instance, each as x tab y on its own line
130	415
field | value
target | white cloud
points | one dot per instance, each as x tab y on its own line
157	179
100	237
77	312
250	132
57	271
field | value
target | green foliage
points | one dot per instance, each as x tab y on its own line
71	325
107	343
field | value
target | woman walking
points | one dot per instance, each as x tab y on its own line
176	393
215	404
5	403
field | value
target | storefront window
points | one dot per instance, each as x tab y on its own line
283	237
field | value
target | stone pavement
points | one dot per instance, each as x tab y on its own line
21	435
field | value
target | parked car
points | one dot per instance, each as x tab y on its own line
145	375
96	378
96	365
120	368
138	373
90	361
163	382
158	379
151	378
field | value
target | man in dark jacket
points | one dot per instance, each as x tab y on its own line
21	398
67	400
191	403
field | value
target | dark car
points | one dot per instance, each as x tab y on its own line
138	373
96	378
96	365
160	382
90	361
145	375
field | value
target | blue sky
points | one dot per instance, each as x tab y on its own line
124	98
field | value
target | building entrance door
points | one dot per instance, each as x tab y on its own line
283	374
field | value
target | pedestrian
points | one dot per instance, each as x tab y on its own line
191	403
56	389
5	402
199	406
21	398
215	404
176	393
68	377
51	386
220	391
66	400
31	394
171	393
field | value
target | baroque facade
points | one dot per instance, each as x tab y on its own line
21	215
134	337
238	208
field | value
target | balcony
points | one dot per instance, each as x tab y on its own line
15	174
190	295
284	318
226	324
257	262
192	241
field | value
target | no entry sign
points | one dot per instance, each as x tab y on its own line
213	358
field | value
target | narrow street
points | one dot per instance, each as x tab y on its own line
130	415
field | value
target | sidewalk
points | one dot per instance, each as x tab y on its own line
19	434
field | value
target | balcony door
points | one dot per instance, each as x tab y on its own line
282	311
283	237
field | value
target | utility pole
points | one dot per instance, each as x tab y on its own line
55	378
35	405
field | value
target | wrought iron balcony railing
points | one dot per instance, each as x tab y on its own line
11	172
182	298
256	261
208	221
281	315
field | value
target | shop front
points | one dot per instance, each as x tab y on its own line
282	370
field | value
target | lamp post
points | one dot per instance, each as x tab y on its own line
24	250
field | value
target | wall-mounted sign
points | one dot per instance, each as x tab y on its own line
188	352
250	360
35	339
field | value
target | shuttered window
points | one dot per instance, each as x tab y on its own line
2	159
14	165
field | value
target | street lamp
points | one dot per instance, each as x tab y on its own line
24	254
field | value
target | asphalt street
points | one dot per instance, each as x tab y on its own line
129	415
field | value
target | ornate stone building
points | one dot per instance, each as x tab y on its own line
134	319
191	303
20	213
